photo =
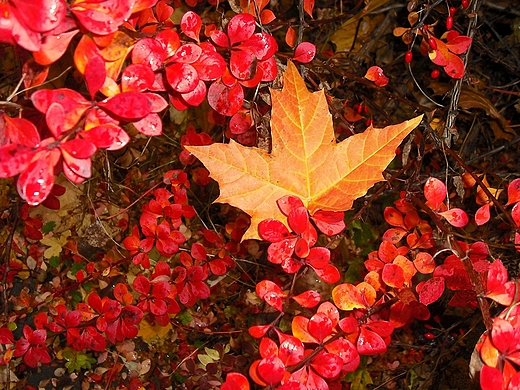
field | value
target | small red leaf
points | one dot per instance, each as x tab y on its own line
150	125
235	381
483	214
108	136
370	343
308	299
137	77
36	181
272	230
258	331
128	105
459	45
308	6
271	369
435	192
513	192
376	74
182	77
226	100
191	25
305	52
431	290
298	219
456	217
320	326
328	274
329	222
95	74
240	28
393	276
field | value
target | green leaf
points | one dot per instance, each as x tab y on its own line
54	261
212	353
205	359
48	227
184	317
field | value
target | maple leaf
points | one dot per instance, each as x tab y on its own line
305	161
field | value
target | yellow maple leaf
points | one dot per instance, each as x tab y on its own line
305	160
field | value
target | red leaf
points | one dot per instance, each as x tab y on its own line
308	6
459	45
20	131
491	378
424	263
329	222
197	96
515	214
513	192
279	252
102	20
73	103
150	125
308	299
499	288
305	52
348	297
375	74
107	136
262	45
191	25
328	365
393	275
78	148
318	258
431	290
435	192
393	217
258	331
235	381
290	37
218	267
226	100
95	74
240	28
36	181
137	77
456	217
271	369
298	219
128	105
53	47
300	330
387	251
288	203
291	350
182	77
41	15
187	53
76	169
266	286
455	67
347	351
482	215
240	122
243	64
370	343
320	326
141	285
328	274
151	52
273	230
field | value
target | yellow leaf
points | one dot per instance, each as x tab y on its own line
55	245
305	160
148	332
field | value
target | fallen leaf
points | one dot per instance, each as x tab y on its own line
305	160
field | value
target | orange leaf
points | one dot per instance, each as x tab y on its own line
305	160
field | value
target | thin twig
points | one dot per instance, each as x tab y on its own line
453	111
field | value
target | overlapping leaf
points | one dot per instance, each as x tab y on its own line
305	160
